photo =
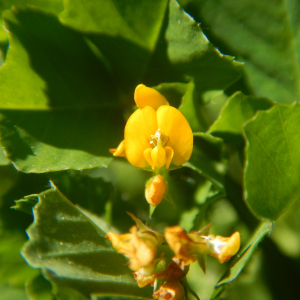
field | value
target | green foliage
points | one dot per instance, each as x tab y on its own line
72	251
67	79
273	163
264	37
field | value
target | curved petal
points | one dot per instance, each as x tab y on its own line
138	130
119	151
145	96
147	155
175	126
169	154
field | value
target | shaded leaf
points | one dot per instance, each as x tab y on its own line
125	33
239	109
26	204
273	165
265	37
60	122
39	289
73	252
236	268
206	158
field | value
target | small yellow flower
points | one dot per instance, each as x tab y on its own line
156	134
188	246
156	188
139	246
173	290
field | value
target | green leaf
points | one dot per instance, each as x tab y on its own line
39	289
3	160
125	33
73	252
273	164
13	270
12	293
54	6
265	37
183	51
26	204
236	268
239	109
193	110
55	111
206	158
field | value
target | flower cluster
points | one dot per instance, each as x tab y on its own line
147	253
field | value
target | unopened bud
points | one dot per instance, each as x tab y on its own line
156	188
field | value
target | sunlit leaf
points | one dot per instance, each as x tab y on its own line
73	252
238	109
273	163
183	50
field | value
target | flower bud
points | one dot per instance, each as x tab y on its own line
156	188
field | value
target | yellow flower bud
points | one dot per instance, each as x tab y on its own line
156	188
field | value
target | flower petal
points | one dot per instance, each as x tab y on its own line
120	151
138	130
175	126
145	96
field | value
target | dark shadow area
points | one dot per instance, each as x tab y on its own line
75	77
93	131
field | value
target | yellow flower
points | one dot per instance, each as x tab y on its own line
156	134
156	188
139	246
173	290
187	247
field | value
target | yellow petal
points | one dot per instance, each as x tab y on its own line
158	155
147	155
175	126
120	151
169	154
145	96
138	130
232	247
